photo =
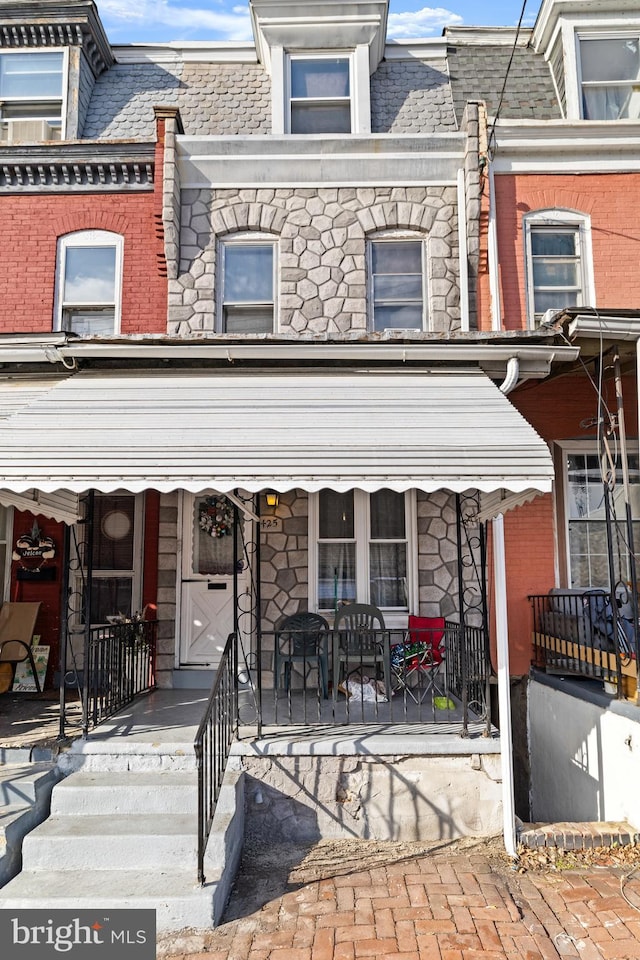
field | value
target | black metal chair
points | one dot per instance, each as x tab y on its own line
359	639
302	638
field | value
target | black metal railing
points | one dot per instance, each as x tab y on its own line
213	743
580	633
119	664
437	674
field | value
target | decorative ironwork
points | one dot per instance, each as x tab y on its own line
213	741
120	664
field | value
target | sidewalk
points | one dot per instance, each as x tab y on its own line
459	901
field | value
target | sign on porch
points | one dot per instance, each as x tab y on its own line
34	549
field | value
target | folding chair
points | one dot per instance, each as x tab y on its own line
17	624
419	660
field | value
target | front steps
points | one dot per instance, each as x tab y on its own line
25	793
123	833
578	836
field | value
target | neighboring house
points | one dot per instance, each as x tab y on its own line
293	267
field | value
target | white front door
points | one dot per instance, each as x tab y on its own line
207	606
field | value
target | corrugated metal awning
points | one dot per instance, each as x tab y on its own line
197	430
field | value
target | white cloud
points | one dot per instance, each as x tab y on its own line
420	23
185	20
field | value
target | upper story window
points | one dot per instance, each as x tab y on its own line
610	77
31	95
89	282
320	94
248	283
558	252
397	285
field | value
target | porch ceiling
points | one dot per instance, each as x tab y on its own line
201	430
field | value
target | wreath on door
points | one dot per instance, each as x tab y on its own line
216	516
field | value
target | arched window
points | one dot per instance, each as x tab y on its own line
559	269
89	282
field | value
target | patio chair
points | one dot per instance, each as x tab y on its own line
418	662
17	623
302	638
359	640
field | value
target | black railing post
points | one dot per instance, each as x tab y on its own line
86	672
64	632
461	616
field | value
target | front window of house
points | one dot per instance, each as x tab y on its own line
89	282
362	549
586	521
31	95
610	77
320	95
397	285
248	282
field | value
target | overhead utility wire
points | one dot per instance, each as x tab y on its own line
506	77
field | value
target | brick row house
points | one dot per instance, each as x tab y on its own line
291	324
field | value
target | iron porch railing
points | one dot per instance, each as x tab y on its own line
416	676
578	634
119	664
213	741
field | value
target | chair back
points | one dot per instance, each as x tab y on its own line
303	631
356	624
17	622
429	631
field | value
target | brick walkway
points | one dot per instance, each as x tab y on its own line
465	905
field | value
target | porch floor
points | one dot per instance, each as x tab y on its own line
30	722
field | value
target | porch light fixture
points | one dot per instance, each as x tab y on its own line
272	498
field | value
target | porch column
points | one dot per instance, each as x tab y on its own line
504	692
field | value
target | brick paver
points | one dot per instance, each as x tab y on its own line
437	906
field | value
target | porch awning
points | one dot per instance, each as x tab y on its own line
220	430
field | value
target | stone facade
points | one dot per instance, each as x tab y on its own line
168	579
322	236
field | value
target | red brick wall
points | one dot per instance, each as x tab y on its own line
613	203
29	230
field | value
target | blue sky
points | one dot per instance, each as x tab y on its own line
139	21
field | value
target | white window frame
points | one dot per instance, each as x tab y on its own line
394	617
557	219
597	35
398	237
586	448
62	99
89	238
245	239
324	55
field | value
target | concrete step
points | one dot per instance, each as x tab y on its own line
126	792
179	902
141	841
25	795
127	754
578	835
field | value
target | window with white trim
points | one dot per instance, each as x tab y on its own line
397	284
609	68
363	548
320	94
31	95
247	268
558	262
89	282
586	520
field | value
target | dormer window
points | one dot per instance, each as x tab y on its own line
31	95
320	94
610	77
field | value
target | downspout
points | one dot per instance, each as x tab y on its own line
504	691
464	255
511	377
494	265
